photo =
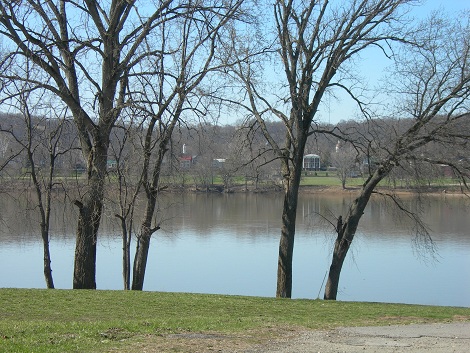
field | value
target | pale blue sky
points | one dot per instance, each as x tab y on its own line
374	64
371	65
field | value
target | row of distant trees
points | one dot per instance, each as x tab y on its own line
99	81
204	144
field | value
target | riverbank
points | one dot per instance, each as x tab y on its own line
319	189
129	321
320	183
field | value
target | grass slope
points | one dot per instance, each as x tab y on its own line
34	320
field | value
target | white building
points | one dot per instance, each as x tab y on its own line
311	162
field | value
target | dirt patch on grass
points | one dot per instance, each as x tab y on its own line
416	338
202	342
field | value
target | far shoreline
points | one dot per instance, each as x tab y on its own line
21	185
317	189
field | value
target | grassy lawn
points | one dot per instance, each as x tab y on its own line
122	321
315	179
329	179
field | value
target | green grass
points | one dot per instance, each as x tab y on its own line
97	321
329	180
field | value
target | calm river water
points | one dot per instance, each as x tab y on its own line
228	244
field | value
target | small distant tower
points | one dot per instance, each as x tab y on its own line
338	145
184	148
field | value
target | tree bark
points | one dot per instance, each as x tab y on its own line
347	230
85	247
43	205
126	250
146	230
289	213
141	256
47	265
140	261
126	258
286	245
90	210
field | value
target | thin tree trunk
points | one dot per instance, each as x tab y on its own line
143	241
347	230
140	261
127	260
126	270
45	217
126	253
44	210
141	256
339	254
47	264
151	190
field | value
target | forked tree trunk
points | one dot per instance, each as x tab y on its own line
126	251
140	261
142	250
151	190
347	229
339	254
146	230
44	211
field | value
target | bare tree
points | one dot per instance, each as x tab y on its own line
171	94
345	160
315	41
89	50
126	153
432	86
40	139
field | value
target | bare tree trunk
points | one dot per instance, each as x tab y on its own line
44	211
286	243
126	251
84	275
339	254
143	246
44	195
140	261
146	230
347	230
126	260
47	264
85	247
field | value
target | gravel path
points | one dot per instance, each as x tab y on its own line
428	338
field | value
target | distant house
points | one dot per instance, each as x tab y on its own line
446	171
111	165
186	161
311	162
218	163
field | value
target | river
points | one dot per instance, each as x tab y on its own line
228	244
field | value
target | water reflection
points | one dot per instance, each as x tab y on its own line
219	243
